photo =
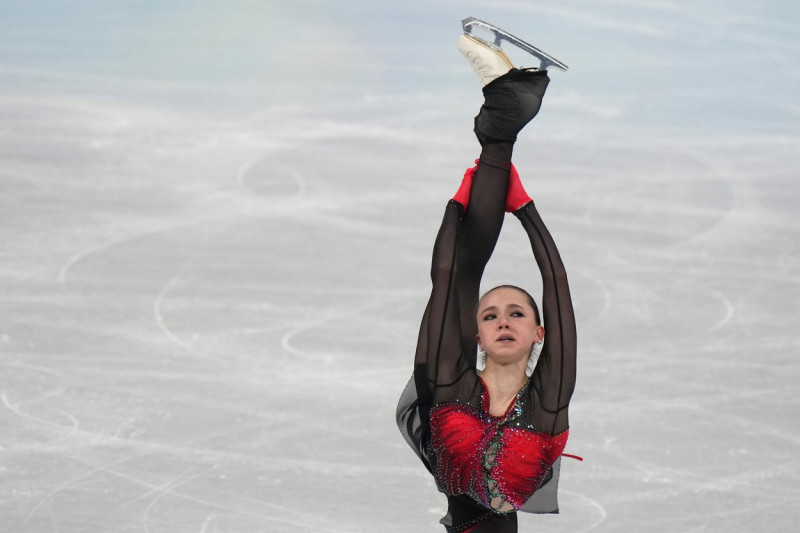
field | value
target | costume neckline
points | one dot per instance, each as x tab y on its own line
513	406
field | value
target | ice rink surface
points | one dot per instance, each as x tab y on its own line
216	225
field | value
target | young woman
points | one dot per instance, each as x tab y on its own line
492	438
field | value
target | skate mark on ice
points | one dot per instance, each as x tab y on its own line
70	429
592	503
159	301
725	174
163	490
604	290
286	340
729	312
104	246
152	449
169	489
73	430
700	481
35	368
656	306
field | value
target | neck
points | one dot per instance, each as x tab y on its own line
505	376
503	382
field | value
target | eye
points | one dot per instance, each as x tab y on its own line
518	314
490	316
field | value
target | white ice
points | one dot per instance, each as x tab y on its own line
216	226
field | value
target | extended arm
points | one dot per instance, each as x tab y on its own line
554	377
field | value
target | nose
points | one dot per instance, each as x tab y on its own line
502	322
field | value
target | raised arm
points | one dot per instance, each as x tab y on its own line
554	376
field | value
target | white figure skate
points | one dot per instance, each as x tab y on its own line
479	35
487	62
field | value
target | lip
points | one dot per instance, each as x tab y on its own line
505	338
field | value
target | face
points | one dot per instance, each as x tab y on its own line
507	326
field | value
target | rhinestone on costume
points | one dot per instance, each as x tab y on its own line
498	461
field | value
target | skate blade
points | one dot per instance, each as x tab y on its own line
494	36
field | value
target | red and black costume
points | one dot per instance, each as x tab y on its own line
481	462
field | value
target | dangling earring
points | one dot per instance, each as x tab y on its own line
535	350
480	362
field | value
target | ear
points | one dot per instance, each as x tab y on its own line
478	340
539	333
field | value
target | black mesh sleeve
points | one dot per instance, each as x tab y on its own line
553	379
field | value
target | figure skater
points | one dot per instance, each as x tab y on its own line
486	417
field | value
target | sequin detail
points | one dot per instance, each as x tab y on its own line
498	464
